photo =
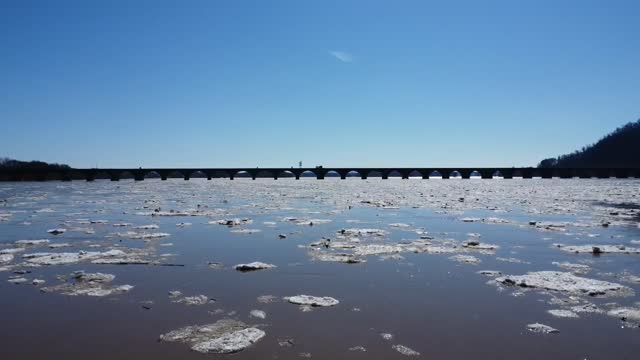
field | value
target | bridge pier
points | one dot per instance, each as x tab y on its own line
444	173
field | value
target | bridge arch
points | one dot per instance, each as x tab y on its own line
333	174
475	174
153	174
415	174
126	175
374	173
98	175
393	174
242	174
219	174
175	174
353	174
198	174
287	174
261	173
308	174
435	174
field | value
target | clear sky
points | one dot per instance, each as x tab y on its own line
338	83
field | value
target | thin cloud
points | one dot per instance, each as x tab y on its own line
342	56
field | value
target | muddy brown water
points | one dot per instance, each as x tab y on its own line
433	305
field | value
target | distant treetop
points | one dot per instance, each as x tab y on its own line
619	149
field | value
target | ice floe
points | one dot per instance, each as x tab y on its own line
222	337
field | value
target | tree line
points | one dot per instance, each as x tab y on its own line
619	149
12	164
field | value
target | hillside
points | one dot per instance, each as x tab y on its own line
618	149
6	163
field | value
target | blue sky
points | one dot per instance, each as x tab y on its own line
338	83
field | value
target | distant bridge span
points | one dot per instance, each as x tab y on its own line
318	172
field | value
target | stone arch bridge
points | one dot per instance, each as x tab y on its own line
318	173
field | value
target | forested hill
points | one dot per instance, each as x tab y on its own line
619	149
6	163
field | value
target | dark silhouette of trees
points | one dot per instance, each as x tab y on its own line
619	149
11	164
